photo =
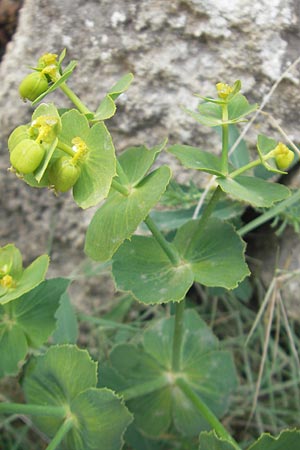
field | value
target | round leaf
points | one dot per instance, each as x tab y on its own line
210	441
209	372
56	378
66	376
216	255
28	320
288	439
101	417
142	267
98	169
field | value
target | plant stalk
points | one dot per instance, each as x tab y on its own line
34	410
268	215
225	139
165	245
177	336
61	432
120	188
206	413
65	148
74	98
243	169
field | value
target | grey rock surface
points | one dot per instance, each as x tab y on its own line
175	49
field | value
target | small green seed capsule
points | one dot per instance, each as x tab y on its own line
19	134
63	174
27	156
33	86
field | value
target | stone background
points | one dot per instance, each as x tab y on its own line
175	48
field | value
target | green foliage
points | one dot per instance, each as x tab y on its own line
254	191
213	257
66	331
121	214
174	376
289	439
14	279
209	371
107	107
28	322
97	165
67	376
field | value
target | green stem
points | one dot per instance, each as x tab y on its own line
65	148
177	336
269	214
206	413
145	388
34	410
165	245
204	218
120	188
225	140
252	164
60	434
74	99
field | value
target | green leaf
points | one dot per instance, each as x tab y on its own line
210	114
253	190
264	146
13	346
168	220
101	418
46	109
120	215
28	321
107	107
22	280
121	86
66	331
142	267
207	370
239	107
194	158
98	167
67	376
56	378
210	441
138	441
136	161
65	75
288	439
214	257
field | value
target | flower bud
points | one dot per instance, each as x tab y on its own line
27	156
33	86
283	156
19	134
63	174
224	90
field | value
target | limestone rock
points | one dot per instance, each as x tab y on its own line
174	49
